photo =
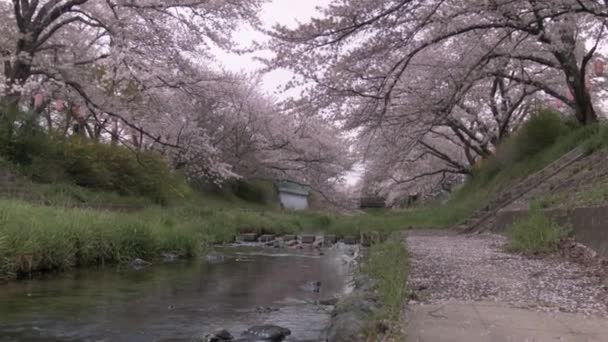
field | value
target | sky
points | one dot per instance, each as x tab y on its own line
286	12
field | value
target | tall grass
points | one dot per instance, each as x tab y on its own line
535	234
387	263
35	238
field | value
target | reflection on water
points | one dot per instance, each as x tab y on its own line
175	301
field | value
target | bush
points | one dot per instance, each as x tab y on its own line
540	132
255	191
535	234
50	159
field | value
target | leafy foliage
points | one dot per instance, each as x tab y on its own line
53	159
539	133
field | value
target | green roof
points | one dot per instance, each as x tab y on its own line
292	188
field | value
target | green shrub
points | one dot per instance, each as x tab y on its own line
51	159
255	191
540	132
535	234
596	137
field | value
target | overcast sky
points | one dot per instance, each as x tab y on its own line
286	12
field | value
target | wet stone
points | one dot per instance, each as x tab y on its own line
215	257
267	333
267	238
249	237
308	239
168	257
138	263
311	286
328	301
330	239
349	240
289	237
265	309
219	336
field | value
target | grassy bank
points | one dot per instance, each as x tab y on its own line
542	140
39	238
387	263
36	238
59	232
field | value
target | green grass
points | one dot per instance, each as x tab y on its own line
35	238
63	233
69	196
387	263
587	196
535	234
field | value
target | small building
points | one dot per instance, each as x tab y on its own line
372	202
293	195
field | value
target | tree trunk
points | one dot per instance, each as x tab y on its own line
575	78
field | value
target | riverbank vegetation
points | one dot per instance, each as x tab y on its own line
387	263
72	218
535	233
544	138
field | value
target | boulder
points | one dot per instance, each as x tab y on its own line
267	333
221	335
350	317
347	327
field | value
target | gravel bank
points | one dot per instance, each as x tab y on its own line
446	267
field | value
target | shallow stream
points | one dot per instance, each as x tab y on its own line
178	301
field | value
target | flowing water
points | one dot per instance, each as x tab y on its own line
178	301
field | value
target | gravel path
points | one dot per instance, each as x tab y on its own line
448	268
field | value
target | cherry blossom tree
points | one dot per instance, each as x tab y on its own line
462	74
112	61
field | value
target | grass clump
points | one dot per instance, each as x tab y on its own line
387	263
535	234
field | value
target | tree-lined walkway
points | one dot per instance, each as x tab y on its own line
467	288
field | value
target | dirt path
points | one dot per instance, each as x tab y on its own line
468	289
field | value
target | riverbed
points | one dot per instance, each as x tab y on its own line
179	301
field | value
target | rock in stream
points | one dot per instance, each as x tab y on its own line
267	333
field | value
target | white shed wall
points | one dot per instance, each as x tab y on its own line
291	201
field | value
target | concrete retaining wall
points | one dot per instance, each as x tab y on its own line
590	225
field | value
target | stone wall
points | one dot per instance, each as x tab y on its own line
590	225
